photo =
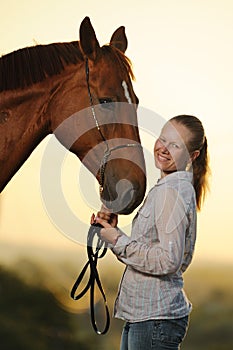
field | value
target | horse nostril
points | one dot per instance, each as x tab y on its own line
127	202
127	197
122	201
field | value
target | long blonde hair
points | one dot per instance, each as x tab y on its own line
200	165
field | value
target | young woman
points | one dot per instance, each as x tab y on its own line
151	298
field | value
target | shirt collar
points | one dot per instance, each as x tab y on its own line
176	176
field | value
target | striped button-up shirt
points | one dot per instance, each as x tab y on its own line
158	252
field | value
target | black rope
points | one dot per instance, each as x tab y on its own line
93	278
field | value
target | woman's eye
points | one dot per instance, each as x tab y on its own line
174	145
106	103
161	139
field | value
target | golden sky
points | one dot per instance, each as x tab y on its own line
182	52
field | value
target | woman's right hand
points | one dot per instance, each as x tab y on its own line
106	215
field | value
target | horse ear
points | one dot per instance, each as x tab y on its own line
88	42
119	39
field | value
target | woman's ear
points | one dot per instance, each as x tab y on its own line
194	155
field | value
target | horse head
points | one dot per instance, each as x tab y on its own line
114	153
83	94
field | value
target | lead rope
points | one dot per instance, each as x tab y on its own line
93	256
93	277
94	230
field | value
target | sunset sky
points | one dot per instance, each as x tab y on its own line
182	54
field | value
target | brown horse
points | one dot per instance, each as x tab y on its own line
44	86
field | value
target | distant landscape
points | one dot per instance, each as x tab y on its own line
38	313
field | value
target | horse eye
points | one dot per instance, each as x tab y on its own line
106	103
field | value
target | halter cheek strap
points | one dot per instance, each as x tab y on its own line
92	104
108	150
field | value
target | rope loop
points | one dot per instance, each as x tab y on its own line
94	278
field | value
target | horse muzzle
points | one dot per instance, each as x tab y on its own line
124	196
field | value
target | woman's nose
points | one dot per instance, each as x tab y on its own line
164	148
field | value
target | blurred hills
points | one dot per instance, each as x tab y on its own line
38	313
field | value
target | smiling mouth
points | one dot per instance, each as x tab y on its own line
162	158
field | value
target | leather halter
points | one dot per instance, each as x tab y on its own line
108	150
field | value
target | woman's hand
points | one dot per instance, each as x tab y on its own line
108	233
108	220
106	215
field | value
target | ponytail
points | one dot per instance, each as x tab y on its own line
201	172
200	165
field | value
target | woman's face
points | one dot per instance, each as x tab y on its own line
170	150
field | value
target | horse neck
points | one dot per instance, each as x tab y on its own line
27	116
24	123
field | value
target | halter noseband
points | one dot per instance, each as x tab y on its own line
108	150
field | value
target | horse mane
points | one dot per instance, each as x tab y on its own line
25	67
123	62
30	65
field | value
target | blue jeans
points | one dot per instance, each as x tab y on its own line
154	334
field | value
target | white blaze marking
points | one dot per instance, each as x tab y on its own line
126	91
